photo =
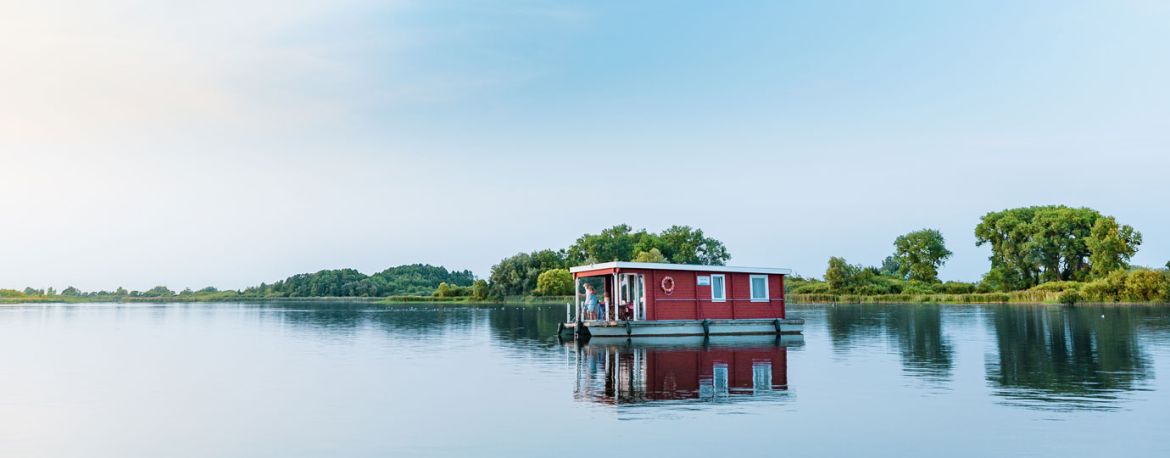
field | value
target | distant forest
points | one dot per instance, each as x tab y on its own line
407	280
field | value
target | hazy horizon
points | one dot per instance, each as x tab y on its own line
234	143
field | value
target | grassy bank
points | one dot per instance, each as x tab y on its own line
1132	286
1016	297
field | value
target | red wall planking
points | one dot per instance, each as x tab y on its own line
689	301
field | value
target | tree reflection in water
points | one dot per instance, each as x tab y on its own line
1045	357
1065	358
915	330
339	319
924	350
526	325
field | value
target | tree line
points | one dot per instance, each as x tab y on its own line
405	280
71	292
1076	252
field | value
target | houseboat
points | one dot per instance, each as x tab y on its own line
638	299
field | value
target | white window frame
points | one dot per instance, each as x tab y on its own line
723	282
752	288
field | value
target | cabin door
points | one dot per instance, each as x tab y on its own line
640	297
633	296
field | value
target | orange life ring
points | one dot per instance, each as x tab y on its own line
667	285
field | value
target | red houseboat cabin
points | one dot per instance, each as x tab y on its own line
652	299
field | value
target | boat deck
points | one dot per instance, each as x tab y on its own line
673	328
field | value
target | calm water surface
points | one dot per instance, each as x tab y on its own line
359	380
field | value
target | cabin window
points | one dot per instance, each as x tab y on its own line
718	288
759	288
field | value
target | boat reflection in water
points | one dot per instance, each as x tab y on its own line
621	371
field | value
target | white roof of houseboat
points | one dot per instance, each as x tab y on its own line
687	267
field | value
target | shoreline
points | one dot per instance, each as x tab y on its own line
390	300
794	299
1053	304
1018	297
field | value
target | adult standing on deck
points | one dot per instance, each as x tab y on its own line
592	307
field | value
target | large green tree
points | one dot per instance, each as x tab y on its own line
1008	232
1111	246
618	243
1032	245
678	244
554	282
890	267
480	290
686	245
839	273
517	275
1058	244
654	255
159	291
920	253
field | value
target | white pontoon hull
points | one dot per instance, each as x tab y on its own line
663	328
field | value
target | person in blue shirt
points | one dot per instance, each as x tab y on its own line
592	307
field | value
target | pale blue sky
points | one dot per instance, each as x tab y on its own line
232	142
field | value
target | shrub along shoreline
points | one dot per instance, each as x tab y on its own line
1134	286
1050	254
1014	298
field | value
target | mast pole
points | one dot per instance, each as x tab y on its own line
617	294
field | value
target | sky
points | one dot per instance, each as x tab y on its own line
230	143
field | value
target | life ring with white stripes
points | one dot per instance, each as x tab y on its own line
667	285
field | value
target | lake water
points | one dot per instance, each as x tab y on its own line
247	380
